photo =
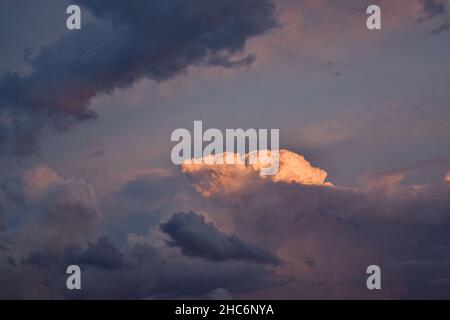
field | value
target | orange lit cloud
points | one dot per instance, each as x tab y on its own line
209	179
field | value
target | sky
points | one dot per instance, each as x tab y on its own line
86	177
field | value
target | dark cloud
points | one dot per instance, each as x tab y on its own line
144	202
125	43
47	210
327	236
102	254
57	220
140	272
198	238
445	26
309	262
436	9
4	212
30	34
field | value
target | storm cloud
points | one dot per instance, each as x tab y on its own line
198	238
50	222
261	238
327	236
156	40
141	229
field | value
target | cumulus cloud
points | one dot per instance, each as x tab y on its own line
211	179
324	236
49	210
33	183
328	236
198	238
131	245
294	168
58	222
155	40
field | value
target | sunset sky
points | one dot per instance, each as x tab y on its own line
86	176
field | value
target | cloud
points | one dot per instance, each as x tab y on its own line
36	181
58	222
3	212
153	40
143	202
48	210
331	50
328	236
294	168
102	254
387	182
433	8
324	236
198	238
436	9
138	272
214	179
445	26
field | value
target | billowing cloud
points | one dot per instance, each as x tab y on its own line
292	235
58	221
210	179
155	40
36	181
138	272
294	168
45	209
328	236
324	236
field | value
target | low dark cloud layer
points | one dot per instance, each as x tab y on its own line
142	271
125	43
198	238
50	222
325	237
